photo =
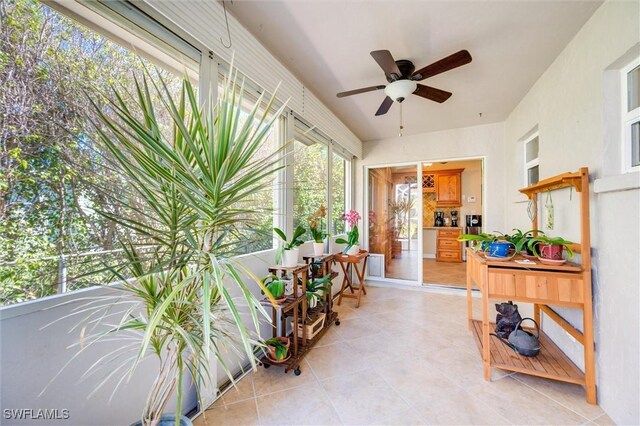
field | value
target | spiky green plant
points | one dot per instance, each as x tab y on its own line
188	192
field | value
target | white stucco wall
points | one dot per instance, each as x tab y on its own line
485	141
569	104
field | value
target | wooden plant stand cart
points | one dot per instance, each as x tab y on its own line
295	306
346	263
567	285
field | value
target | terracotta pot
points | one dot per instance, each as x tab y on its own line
551	251
272	349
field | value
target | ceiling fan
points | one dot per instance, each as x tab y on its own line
402	78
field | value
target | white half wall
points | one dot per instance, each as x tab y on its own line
569	104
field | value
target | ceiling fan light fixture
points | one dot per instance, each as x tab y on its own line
399	90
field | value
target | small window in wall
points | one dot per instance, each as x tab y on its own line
631	116
531	162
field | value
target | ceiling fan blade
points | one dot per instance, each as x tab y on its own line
450	62
386	62
384	106
432	93
357	91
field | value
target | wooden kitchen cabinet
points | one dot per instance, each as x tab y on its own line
448	248
448	185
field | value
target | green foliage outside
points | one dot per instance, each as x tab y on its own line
52	173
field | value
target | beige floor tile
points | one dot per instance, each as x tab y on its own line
603	420
344	311
240	413
330	337
409	417
241	391
356	327
306	405
460	408
567	394
274	379
334	360
520	404
363	397
418	383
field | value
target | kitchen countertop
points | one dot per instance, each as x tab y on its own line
442	227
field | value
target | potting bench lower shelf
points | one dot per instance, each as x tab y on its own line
550	363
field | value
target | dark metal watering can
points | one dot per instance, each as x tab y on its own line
522	341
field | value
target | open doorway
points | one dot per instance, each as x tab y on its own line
394	225
452	202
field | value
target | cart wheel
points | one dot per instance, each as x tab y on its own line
337	322
266	365
297	371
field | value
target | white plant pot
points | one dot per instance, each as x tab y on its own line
318	249
354	250
290	258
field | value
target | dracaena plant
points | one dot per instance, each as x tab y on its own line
176	302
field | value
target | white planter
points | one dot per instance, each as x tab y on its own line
318	249
290	258
354	250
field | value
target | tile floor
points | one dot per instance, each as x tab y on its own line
447	273
405	357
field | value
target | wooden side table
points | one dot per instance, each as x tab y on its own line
347	262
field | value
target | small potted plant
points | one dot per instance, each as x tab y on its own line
316	288
288	254
316	228
549	249
275	286
353	236
521	239
494	245
277	349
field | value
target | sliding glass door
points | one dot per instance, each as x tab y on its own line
394	225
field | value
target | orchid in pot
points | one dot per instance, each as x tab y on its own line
316	228
353	236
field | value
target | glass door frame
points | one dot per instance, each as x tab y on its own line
418	166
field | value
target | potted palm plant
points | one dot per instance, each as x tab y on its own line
288	254
182	202
316	229
353	236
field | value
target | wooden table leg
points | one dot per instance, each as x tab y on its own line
469	299
345	281
486	348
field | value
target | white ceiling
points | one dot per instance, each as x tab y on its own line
326	44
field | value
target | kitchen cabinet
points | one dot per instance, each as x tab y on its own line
448	187
448	248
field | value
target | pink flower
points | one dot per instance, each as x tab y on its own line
351	217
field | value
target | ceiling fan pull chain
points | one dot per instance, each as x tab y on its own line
401	120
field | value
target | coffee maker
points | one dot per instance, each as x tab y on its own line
439	218
454	218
